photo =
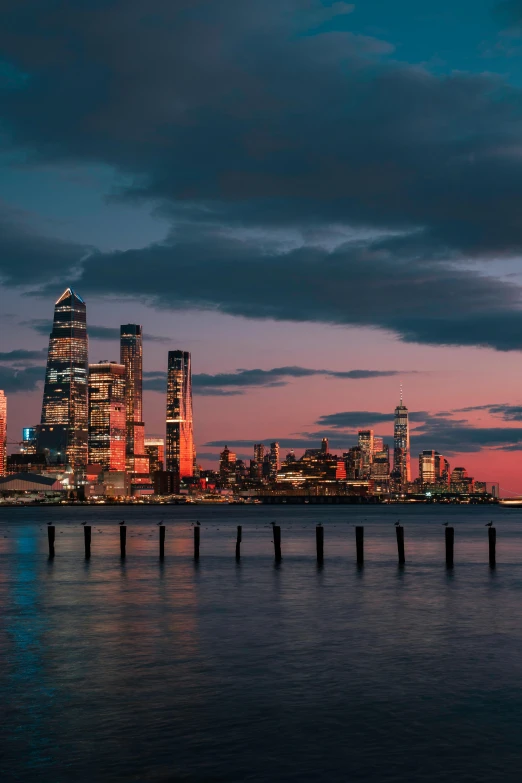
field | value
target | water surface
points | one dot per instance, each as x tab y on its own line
218	671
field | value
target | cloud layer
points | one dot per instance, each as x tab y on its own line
229	384
308	174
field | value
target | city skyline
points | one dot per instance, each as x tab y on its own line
131	353
116	432
321	231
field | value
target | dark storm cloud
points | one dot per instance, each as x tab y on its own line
29	258
42	326
354	419
13	380
20	354
229	384
450	436
373	285
504	410
233	116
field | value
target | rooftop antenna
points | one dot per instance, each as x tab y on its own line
401	394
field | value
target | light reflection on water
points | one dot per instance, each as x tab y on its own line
223	671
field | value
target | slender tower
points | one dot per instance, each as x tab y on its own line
401	446
131	356
63	431
3	433
180	438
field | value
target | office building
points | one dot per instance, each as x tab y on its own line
131	356
107	430
63	432
378	443
155	452
180	438
275	461
3	434
227	465
28	445
401	447
365	443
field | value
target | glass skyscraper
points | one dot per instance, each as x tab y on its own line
131	356
401	446
107	431
180	438
3	433
62	434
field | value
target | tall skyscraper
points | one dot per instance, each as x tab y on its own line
107	431
401	446
62	434
131	356
180	437
275	462
365	443
3	433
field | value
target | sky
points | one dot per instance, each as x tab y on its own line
320	200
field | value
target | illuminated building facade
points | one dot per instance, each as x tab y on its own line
62	434
275	461
3	433
380	470
28	440
180	437
155	451
434	469
131	356
401	446
365	443
227	466
107	430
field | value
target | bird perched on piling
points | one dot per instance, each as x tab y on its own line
49	524
397	523
84	523
122	523
489	524
445	524
198	523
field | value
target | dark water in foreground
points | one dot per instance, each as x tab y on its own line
254	672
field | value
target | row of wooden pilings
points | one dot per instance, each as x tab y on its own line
276	530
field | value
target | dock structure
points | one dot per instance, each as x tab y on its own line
449	543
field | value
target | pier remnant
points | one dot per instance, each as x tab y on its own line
162	541
359	544
319	543
450	540
51	530
87	540
400	543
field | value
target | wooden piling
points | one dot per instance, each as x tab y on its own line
319	543
162	541
51	530
400	544
492	539
196	542
450	539
87	540
277	543
359	544
123	540
238	541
